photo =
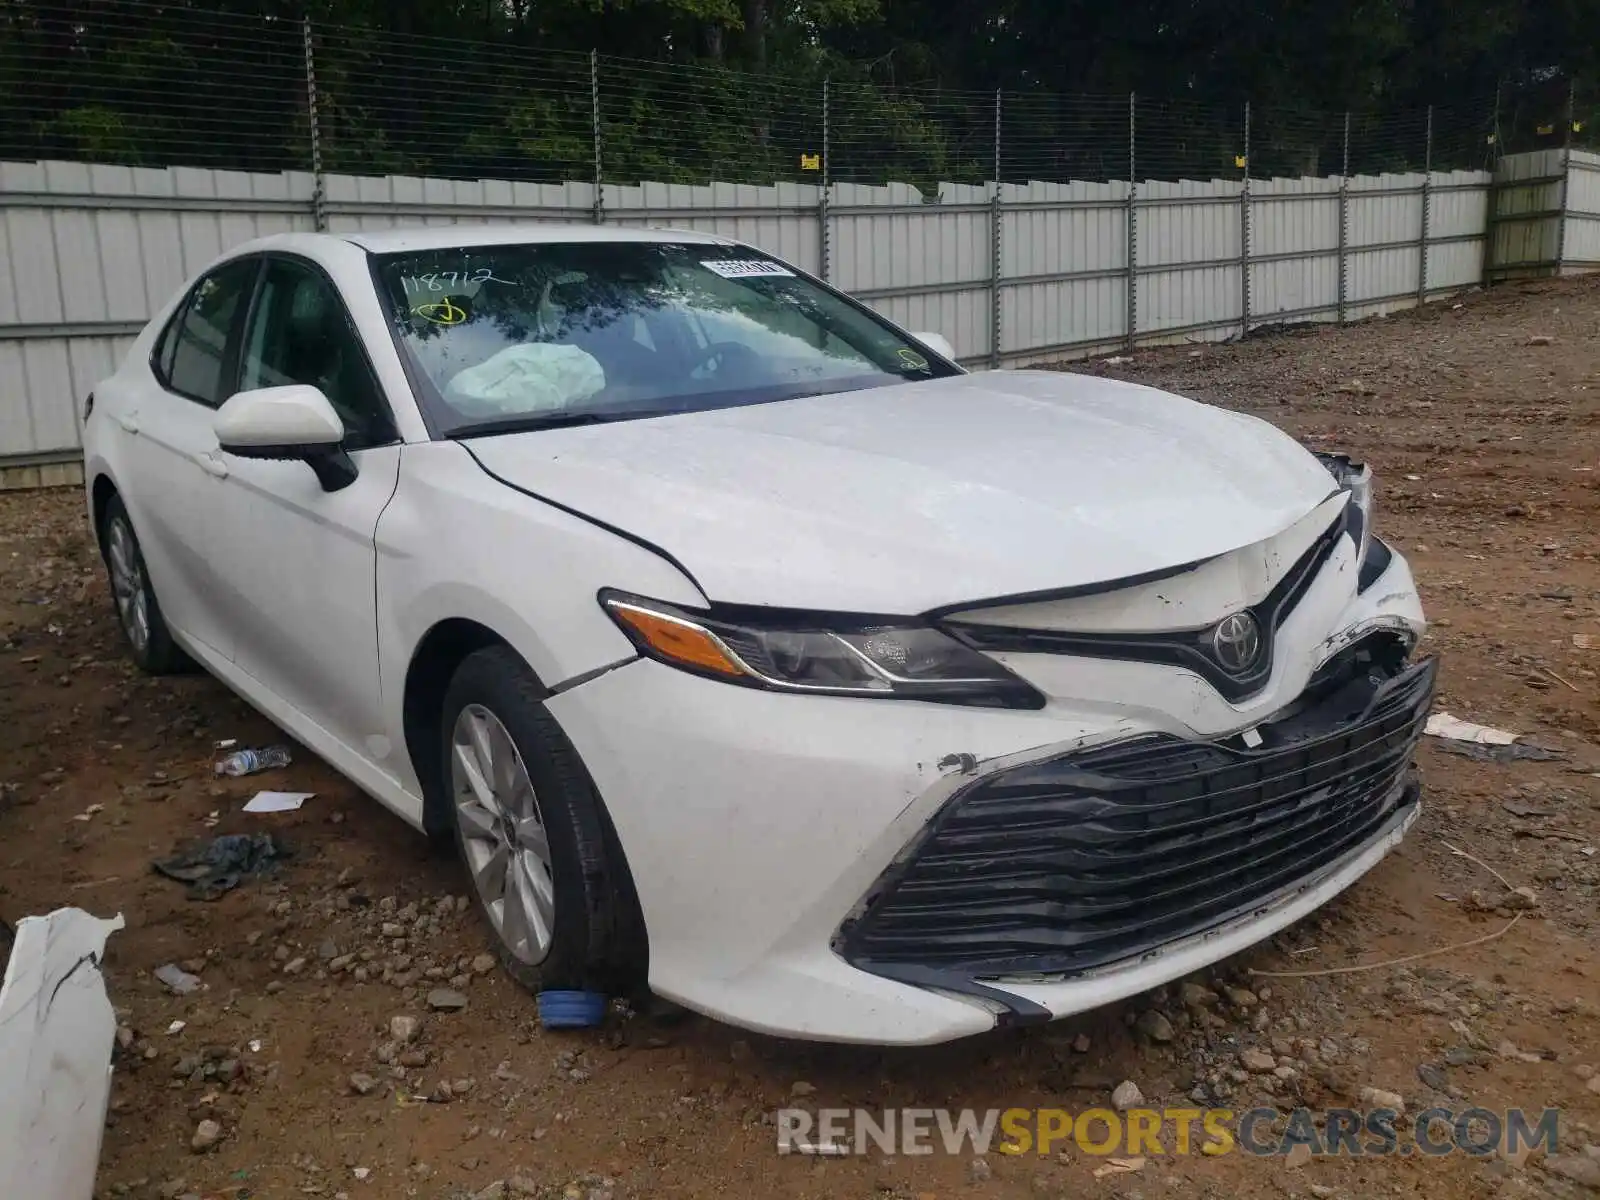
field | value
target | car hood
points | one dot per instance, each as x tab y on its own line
919	496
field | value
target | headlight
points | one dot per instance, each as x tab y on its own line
1355	478
819	653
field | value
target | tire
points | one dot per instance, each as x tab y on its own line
584	894
133	598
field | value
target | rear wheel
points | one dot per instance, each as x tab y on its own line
138	613
546	874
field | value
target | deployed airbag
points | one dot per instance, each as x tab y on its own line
534	378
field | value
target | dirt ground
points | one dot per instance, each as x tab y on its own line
1483	421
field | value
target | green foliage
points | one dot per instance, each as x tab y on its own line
694	91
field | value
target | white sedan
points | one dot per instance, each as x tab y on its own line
749	648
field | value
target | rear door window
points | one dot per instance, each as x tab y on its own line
204	345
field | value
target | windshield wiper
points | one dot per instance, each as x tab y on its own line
530	423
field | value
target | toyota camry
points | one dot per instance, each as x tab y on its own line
748	648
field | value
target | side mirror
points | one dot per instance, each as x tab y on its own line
294	422
938	343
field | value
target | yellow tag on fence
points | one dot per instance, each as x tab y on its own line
1238	161
811	162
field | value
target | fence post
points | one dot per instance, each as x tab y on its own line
1244	233
319	213
594	116
824	238
1492	199
1132	318
1344	223
1427	211
996	324
1566	176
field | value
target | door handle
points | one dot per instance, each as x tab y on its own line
129	421
212	465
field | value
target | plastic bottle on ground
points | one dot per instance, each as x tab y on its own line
248	762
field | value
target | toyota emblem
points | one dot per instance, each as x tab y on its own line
1236	642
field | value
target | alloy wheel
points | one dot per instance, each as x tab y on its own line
128	583
502	833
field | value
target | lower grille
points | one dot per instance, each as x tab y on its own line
1062	866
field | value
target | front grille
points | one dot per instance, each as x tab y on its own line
1062	866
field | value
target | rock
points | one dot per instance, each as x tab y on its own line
1541	339
1240	997
483	964
404	1029
518	1185
124	1037
1154	1026
327	951
979	1170
362	1084
1127	1095
1257	1061
1593	1084
446	1000
1080	1044
801	1088
1433	1077
413	1058
1299	1155
295	965
1378	1098
495	1191
1579	1168
206	1135
1522	898
1196	996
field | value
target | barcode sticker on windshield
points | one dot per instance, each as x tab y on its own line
744	268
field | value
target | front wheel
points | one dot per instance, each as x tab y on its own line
546	872
139	615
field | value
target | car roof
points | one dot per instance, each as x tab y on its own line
443	237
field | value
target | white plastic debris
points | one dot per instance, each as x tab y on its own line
177	1027
276	802
56	1034
1443	725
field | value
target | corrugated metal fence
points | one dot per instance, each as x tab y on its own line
1012	274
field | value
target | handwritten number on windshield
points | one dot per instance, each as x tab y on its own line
442	281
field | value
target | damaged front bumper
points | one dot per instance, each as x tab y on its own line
1091	861
781	845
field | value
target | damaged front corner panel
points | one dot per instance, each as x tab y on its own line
56	1034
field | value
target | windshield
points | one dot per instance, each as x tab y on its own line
566	333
